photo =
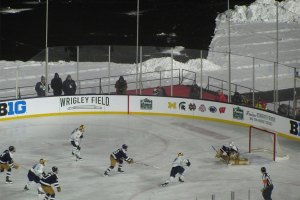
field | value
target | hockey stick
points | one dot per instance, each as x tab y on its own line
145	164
214	149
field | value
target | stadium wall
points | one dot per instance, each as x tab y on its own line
150	105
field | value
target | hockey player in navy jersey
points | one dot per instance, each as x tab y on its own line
48	181
35	174
118	156
178	167
75	139
7	162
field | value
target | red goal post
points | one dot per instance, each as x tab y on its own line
271	144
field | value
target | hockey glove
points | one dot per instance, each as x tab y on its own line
58	189
78	148
16	166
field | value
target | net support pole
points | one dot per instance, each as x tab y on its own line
172	71
109	50
46	44
201	74
137	44
274	145
77	65
250	139
253	83
141	71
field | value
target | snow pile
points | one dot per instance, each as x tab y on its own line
160	64
265	11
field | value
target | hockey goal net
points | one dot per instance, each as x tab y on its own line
266	143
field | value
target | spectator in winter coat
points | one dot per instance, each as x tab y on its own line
69	86
159	91
40	87
221	97
194	91
237	99
121	86
261	104
56	85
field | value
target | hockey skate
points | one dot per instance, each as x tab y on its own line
164	184
106	173
8	180
78	158
120	170
40	192
26	188
180	180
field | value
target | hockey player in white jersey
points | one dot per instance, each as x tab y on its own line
35	174
75	139
178	167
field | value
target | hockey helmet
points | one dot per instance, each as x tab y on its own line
42	161
12	149
81	127
55	169
180	154
263	169
125	147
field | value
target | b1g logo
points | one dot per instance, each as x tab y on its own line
12	108
294	128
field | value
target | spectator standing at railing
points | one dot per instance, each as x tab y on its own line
261	104
69	86
121	86
159	91
246	101
56	85
264	104
40	87
194	91
221	97
236	98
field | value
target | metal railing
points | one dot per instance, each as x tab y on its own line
257	73
101	85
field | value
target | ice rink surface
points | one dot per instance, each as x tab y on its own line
152	140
